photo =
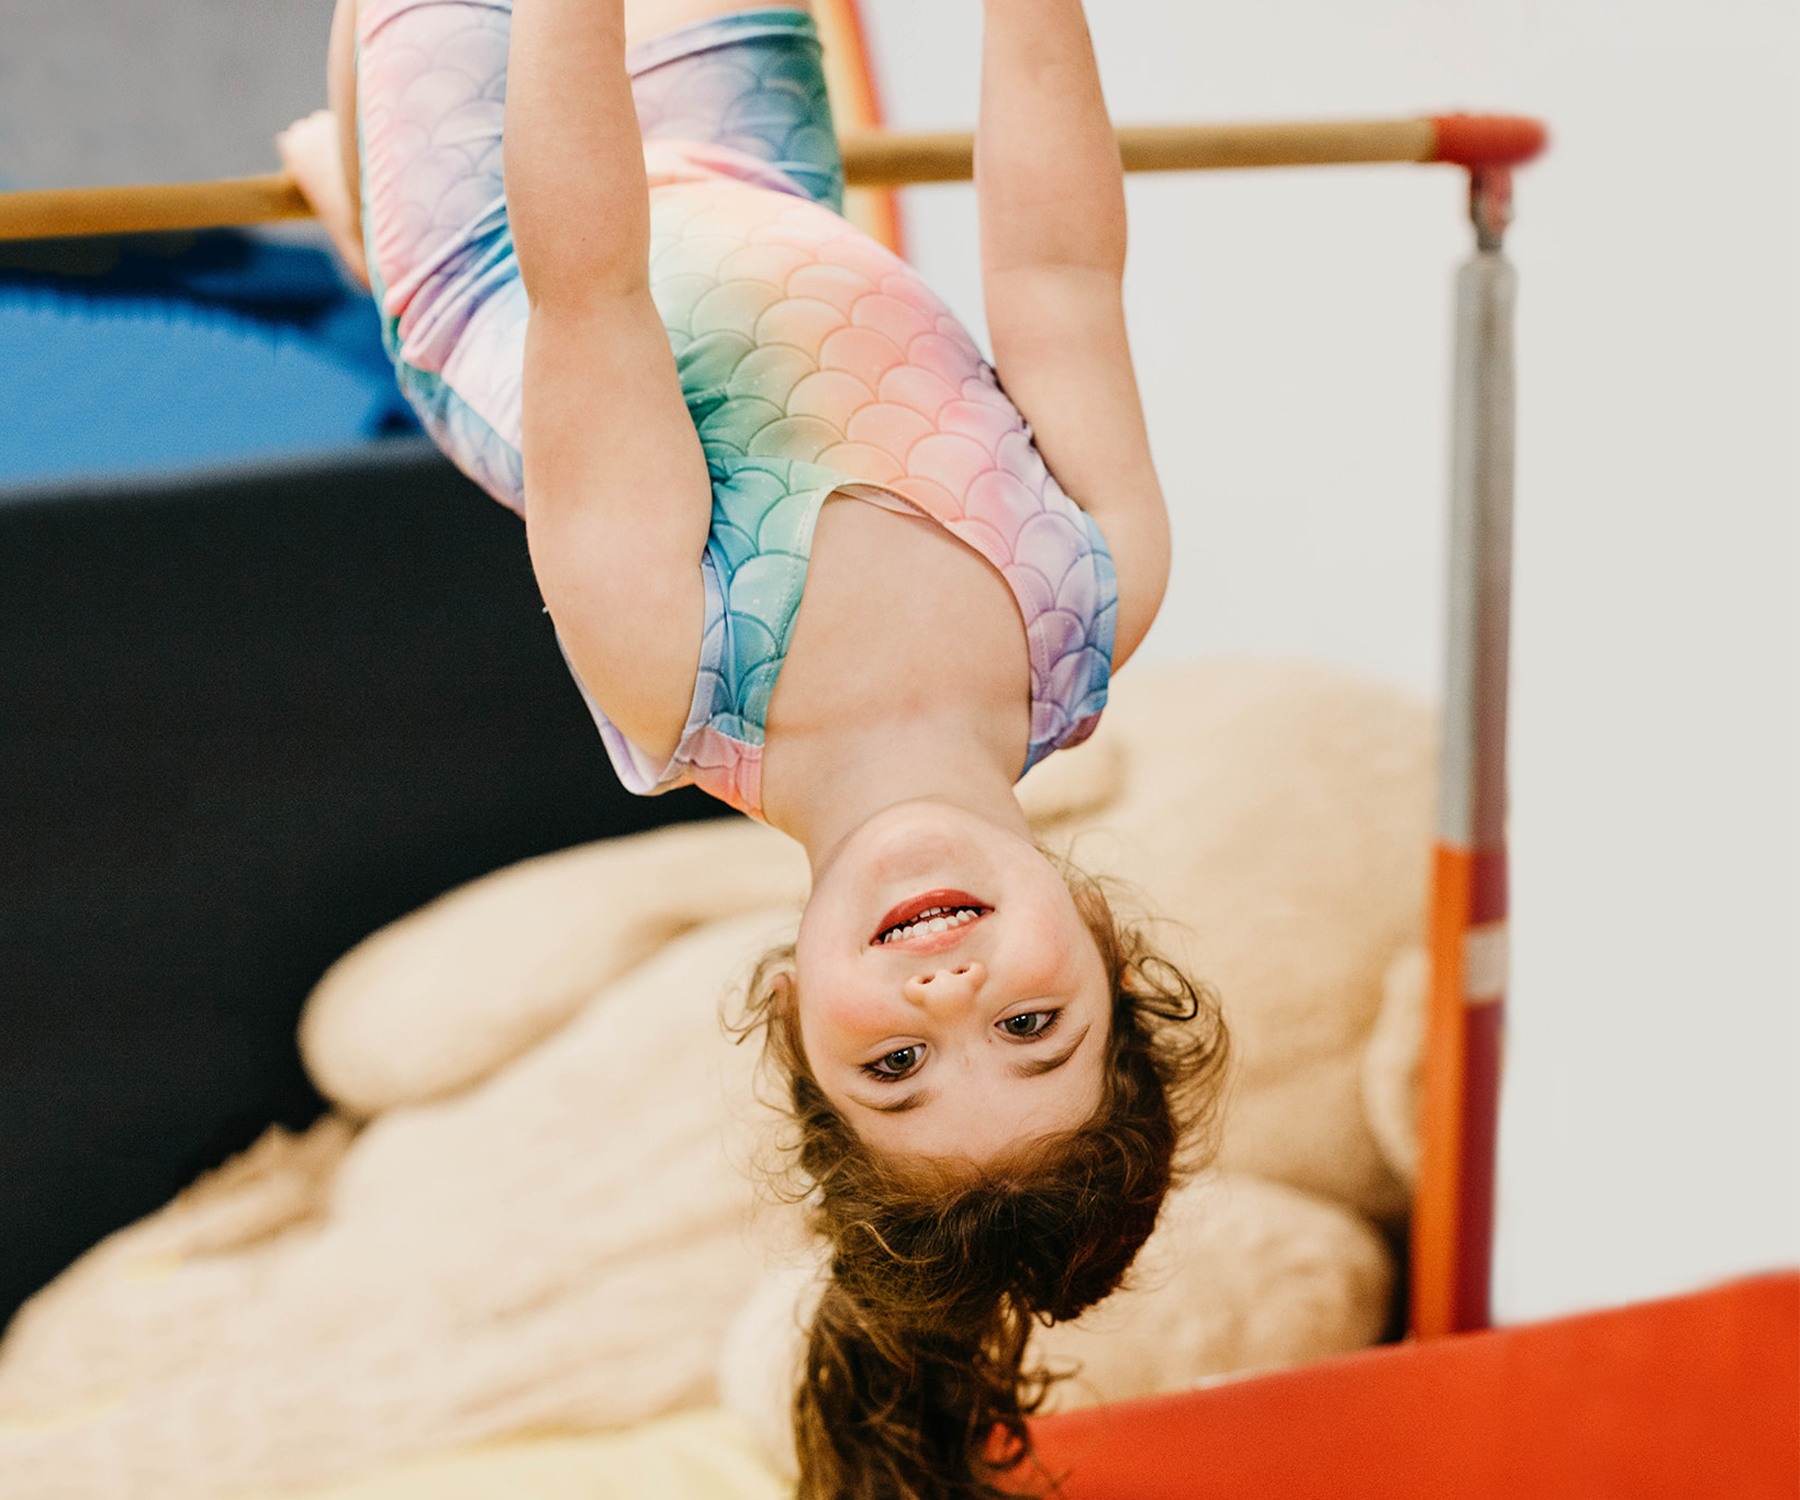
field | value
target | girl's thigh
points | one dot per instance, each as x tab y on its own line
431	103
431	99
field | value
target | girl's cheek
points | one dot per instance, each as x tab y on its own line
1044	958
842	1014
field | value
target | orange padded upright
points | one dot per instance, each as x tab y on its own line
856	107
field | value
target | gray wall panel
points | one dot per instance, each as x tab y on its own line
95	91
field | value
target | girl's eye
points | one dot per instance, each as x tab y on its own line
1031	1023
897	1064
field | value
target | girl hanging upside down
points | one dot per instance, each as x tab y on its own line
803	549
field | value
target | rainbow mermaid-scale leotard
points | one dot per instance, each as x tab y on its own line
813	360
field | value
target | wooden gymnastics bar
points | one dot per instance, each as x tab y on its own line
873	158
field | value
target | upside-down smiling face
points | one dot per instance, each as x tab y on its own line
952	1002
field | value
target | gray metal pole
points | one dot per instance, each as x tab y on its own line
1454	1208
1474	810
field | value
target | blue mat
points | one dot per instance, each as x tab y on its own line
168	353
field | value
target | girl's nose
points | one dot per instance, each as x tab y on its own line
947	991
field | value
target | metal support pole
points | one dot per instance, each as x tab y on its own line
1453	1209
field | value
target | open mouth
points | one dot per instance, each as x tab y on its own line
929	914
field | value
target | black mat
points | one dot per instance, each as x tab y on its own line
245	719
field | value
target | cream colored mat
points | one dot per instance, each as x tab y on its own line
541	1206
699	1455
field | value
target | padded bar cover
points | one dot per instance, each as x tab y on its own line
1488	140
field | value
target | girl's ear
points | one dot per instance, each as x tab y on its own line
769	1007
784	995
777	1012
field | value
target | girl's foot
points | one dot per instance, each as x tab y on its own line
310	150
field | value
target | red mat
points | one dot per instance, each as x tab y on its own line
1693	1398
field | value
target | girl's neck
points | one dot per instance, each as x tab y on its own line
842	785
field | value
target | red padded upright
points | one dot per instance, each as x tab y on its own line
1695	1398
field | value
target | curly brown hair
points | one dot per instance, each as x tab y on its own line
915	1385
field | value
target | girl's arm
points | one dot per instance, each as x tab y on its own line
618	501
1052	203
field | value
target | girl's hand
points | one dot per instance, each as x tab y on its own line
311	150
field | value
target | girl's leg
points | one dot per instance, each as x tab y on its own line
645	22
419	87
429	87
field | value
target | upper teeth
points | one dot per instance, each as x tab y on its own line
935	919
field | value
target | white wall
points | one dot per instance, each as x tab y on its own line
1292	335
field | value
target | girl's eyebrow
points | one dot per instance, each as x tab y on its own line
1038	1066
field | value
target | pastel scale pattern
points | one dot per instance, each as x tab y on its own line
813	360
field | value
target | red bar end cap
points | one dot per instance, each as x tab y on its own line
1488	140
